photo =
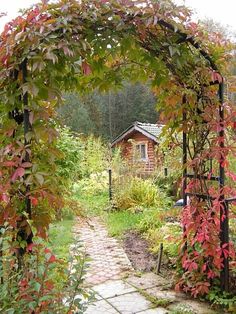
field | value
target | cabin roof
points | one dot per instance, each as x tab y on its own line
150	130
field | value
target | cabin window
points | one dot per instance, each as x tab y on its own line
141	152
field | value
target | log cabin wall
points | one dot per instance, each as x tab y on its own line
128	152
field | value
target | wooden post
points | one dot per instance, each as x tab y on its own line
184	160
159	258
110	184
1	258
165	172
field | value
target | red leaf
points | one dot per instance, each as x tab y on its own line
5	198
216	77
31	117
211	274
86	68
49	285
30	247
23	283
10	132
34	201
18	174
9	163
52	259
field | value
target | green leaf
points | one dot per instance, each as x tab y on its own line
36	286
51	56
39	178
31	88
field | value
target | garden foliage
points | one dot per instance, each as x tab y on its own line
89	44
136	193
44	284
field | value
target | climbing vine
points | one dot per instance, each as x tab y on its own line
96	44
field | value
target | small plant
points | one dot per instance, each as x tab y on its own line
169	234
95	156
224	300
182	309
95	184
154	300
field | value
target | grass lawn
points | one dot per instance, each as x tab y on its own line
61	237
117	221
93	205
121	221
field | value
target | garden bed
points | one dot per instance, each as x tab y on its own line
138	252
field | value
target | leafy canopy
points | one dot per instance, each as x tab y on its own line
97	44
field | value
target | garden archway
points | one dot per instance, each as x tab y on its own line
96	44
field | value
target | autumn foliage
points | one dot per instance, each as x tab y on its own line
96	44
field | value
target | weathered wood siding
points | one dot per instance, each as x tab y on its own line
127	149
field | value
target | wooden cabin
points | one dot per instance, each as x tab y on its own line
138	145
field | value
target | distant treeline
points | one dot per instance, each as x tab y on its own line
109	114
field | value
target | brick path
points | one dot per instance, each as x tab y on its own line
117	289
108	259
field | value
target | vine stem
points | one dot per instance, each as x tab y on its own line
27	128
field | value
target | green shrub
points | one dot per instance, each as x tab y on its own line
170	158
137	192
222	299
162	226
44	283
95	156
169	234
71	149
95	184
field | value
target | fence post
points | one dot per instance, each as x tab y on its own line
110	184
165	172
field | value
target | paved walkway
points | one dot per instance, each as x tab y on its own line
108	259
117	289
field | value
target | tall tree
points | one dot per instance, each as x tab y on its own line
109	114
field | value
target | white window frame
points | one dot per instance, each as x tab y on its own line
138	158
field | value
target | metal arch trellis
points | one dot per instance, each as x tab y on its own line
224	212
208	63
224	233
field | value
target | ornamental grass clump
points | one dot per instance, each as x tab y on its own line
137	193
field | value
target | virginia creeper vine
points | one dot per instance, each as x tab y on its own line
96	44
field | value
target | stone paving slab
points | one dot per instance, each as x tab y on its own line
158	310
167	295
101	307
116	294
147	280
112	289
130	303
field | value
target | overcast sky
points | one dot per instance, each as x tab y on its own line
223	11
